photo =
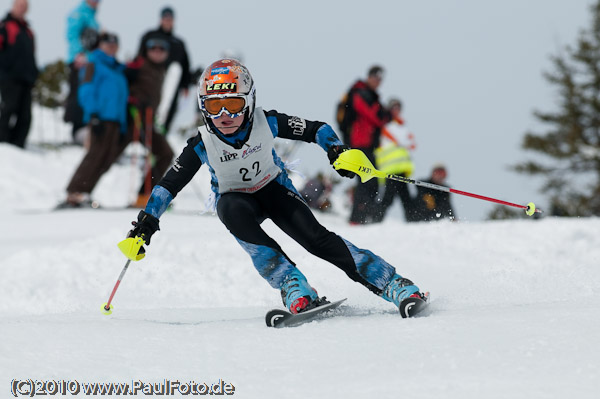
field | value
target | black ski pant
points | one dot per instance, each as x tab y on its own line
15	111
242	214
73	111
395	189
364	203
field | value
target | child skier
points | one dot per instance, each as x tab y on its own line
251	184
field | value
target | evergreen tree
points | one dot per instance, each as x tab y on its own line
571	145
51	87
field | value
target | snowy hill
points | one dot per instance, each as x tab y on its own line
515	306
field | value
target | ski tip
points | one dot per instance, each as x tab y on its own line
274	317
411	307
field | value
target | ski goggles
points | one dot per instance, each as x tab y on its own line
215	106
157	44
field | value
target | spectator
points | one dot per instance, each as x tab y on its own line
146	74
82	37
365	129
316	192
103	96
433	204
393	157
177	55
18	72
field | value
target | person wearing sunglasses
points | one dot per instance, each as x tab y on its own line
251	184
178	63
145	75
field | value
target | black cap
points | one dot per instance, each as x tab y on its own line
394	102
167	12
376	70
108	37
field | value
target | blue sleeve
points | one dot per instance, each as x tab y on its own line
77	21
159	201
74	28
327	138
272	120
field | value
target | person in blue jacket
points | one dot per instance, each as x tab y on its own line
251	184
103	94
82	38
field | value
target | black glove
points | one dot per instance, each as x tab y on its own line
333	153
145	226
96	125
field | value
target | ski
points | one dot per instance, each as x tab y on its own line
413	307
281	318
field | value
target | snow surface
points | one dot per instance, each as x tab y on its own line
515	309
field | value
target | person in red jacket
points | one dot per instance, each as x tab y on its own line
18	72
369	117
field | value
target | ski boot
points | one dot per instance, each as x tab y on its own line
78	201
297	295
400	288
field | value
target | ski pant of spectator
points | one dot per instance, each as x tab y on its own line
105	147
395	189
73	111
364	204
15	111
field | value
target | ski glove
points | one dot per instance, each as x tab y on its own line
333	153
145	226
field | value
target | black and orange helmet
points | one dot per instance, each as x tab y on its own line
226	86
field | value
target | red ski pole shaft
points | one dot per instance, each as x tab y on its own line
107	306
497	201
451	190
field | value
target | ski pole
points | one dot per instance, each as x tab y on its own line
133	249
356	161
107	307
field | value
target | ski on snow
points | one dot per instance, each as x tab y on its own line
278	318
282	318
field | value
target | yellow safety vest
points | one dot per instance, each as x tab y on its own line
393	159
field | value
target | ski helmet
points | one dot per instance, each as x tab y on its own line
226	86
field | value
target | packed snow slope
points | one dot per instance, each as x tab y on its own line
515	304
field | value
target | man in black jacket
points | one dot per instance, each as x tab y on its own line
177	54
18	72
432	204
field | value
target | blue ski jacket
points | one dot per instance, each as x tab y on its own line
78	20
103	90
